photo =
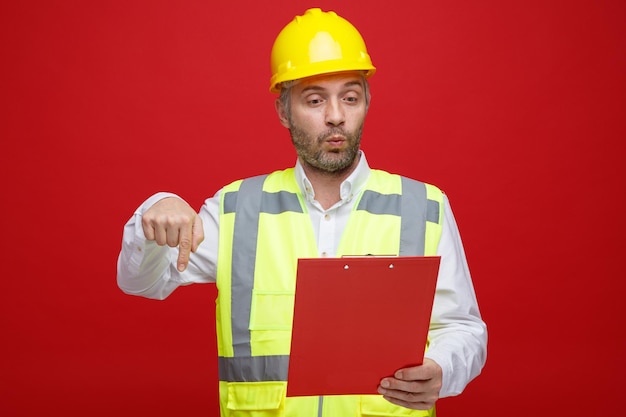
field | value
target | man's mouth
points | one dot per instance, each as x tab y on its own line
336	140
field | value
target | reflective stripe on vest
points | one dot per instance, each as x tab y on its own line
413	227
250	199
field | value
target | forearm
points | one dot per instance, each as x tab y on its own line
460	350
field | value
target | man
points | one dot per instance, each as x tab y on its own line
248	237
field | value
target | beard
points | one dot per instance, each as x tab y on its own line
310	152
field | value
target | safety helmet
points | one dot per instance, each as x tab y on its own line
317	43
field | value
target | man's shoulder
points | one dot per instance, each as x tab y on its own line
384	175
275	177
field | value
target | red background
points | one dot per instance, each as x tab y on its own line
515	109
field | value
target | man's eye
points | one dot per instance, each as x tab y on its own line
315	101
351	99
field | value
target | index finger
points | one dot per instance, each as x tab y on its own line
185	239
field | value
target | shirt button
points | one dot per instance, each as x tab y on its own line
324	254
327	217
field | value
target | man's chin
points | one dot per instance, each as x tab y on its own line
334	164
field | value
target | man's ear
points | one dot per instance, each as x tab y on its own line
282	114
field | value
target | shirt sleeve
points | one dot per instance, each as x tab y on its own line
457	335
146	269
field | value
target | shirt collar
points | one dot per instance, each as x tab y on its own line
350	187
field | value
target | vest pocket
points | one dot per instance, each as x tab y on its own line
377	406
271	310
271	317
256	399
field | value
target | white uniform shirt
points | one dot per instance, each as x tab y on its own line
458	336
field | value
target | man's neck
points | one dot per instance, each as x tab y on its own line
327	185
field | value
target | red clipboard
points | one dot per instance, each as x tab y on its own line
357	320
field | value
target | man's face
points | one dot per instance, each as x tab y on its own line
326	120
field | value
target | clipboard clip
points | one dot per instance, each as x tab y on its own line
346	266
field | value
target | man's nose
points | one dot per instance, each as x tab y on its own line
334	113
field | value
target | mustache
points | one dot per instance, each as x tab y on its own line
334	131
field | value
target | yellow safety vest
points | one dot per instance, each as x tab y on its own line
264	228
